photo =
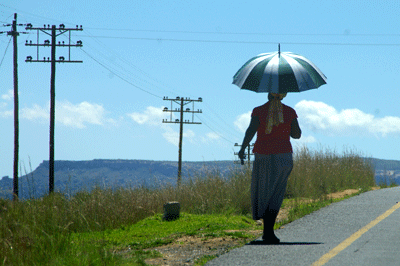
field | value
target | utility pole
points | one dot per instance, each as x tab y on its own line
182	102
248	153
54	32
14	33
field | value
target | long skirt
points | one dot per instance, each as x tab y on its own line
268	182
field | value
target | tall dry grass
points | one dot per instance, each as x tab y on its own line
317	173
40	228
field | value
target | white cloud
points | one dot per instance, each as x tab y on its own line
8	96
189	134
213	135
68	114
304	140
36	113
152	116
6	114
210	137
172	136
242	121
80	114
319	116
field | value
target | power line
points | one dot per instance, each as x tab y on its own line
223	120
127	81
245	42
130	67
34	16
254	33
214	131
129	63
5	52
232	132
136	86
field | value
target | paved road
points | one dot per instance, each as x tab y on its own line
333	228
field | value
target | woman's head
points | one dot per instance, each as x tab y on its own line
276	96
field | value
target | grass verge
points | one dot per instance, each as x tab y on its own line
136	244
123	226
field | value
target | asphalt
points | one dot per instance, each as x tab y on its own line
306	240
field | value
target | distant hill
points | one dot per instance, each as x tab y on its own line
386	170
73	176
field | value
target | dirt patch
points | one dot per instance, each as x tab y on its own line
341	194
185	250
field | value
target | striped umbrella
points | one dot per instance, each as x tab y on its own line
279	73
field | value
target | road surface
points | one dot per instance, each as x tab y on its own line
362	230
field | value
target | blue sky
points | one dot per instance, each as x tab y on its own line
136	52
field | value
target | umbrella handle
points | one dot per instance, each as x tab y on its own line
241	161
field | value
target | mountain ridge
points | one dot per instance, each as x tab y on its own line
73	176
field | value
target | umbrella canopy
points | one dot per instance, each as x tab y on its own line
279	73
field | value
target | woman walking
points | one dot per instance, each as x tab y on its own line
274	124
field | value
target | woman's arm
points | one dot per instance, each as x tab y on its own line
250	132
295	131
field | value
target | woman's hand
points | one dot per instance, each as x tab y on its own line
242	156
250	132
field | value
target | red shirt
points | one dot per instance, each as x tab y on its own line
278	141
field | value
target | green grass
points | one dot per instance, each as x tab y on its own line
153	232
99	228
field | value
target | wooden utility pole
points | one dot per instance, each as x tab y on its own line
14	33
182	102
53	62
